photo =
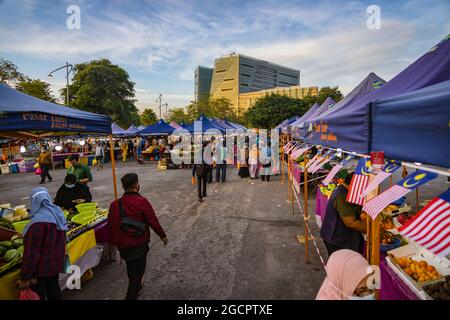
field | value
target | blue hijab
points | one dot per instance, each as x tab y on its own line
43	210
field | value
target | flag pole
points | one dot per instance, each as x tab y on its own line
282	158
306	214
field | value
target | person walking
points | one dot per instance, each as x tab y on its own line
201	170
342	227
99	155
45	162
253	161
266	162
221	161
129	220
124	151
44	247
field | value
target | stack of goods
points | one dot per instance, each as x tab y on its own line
439	290
420	271
11	252
328	190
27	166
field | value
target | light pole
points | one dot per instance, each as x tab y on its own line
159	100
165	105
67	78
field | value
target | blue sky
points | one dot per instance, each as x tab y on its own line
161	42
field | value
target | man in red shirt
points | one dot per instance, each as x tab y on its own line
133	242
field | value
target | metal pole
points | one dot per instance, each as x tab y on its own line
306	216
67	78
113	165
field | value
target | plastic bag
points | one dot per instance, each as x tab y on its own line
36	165
193	180
38	171
28	294
94	162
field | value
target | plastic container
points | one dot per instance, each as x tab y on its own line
4	168
14	168
84	218
86	206
396	242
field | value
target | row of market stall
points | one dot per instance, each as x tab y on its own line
378	128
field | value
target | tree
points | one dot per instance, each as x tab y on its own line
269	111
36	88
9	74
178	115
148	117
212	108
102	87
325	92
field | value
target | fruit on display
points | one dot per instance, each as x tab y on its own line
363	216
386	237
386	222
11	254
6	244
4	223
420	271
390	208
439	290
404	218
328	190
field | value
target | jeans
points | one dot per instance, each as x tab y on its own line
221	168
135	271
45	172
201	182
48	288
210	174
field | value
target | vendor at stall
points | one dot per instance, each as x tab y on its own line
82	172
342	227
72	193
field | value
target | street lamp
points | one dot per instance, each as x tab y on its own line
67	78
165	105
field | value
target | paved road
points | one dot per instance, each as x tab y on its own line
241	243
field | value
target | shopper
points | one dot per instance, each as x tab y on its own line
44	247
129	230
266	163
124	151
221	161
82	172
254	163
45	162
201	170
99	155
342	227
348	275
243	167
72	193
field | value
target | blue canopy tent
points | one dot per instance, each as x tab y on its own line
285	128
157	129
132	130
206	124
237	125
414	126
117	131
223	124
141	128
306	116
315	111
25	116
348	127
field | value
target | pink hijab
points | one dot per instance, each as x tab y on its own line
345	270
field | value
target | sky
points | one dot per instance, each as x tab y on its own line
160	43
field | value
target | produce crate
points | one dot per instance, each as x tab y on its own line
411	250
14	167
4	168
7	234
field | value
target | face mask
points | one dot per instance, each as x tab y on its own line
367	297
69	186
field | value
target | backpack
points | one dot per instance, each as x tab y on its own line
201	169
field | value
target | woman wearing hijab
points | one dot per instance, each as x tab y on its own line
253	161
347	277
44	247
243	167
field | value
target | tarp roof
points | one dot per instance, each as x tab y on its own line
414	126
21	113
207	124
132	129
348	127
175	125
306	116
157	129
117	130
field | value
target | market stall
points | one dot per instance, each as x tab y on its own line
27	117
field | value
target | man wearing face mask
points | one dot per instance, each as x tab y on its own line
129	220
72	193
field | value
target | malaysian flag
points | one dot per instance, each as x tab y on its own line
336	169
430	228
321	164
401	188
388	170
288	147
359	182
318	161
313	160
297	153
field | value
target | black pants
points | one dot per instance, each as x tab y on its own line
210	173
48	288
135	271
221	169
265	177
201	184
45	168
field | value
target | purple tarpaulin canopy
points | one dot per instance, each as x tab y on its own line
348	127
